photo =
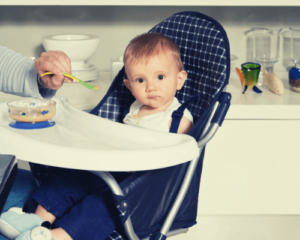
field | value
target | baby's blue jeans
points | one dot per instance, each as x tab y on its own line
82	203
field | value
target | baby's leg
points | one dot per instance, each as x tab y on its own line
92	219
60	234
74	208
58	195
96	216
43	233
44	214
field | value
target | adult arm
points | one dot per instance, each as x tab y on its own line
18	74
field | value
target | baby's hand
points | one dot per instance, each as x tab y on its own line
56	62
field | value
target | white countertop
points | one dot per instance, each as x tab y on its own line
80	97
266	105
250	105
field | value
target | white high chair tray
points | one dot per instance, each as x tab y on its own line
80	140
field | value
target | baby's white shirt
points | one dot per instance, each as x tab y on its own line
158	121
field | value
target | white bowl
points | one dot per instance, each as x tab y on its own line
78	47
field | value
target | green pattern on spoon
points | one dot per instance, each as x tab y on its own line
89	86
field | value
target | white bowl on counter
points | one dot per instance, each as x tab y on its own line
78	47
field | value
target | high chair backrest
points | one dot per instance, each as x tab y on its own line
205	55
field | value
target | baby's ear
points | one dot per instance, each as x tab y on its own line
181	77
127	84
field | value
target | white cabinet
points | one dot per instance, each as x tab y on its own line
252	164
252	167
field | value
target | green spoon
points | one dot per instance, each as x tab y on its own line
89	86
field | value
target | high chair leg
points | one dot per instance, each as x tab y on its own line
213	128
115	188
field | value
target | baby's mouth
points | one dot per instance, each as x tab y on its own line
153	97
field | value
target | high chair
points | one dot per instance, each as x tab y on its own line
159	203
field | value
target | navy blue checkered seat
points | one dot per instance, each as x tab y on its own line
205	54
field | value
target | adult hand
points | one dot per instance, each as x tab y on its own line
56	62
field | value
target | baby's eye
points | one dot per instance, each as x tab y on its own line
161	77
140	80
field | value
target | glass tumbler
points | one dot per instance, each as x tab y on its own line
266	47
295	46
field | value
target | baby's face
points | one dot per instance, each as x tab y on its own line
154	82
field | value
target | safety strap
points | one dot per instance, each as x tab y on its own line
125	112
178	114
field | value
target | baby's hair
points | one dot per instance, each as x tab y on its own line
151	44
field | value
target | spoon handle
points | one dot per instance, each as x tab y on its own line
89	86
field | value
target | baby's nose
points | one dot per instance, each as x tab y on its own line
151	86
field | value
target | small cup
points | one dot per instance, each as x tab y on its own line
251	74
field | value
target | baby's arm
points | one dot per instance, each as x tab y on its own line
184	126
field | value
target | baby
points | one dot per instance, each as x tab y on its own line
75	201
154	73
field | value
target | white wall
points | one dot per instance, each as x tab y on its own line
22	27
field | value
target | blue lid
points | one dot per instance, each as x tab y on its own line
294	73
38	125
